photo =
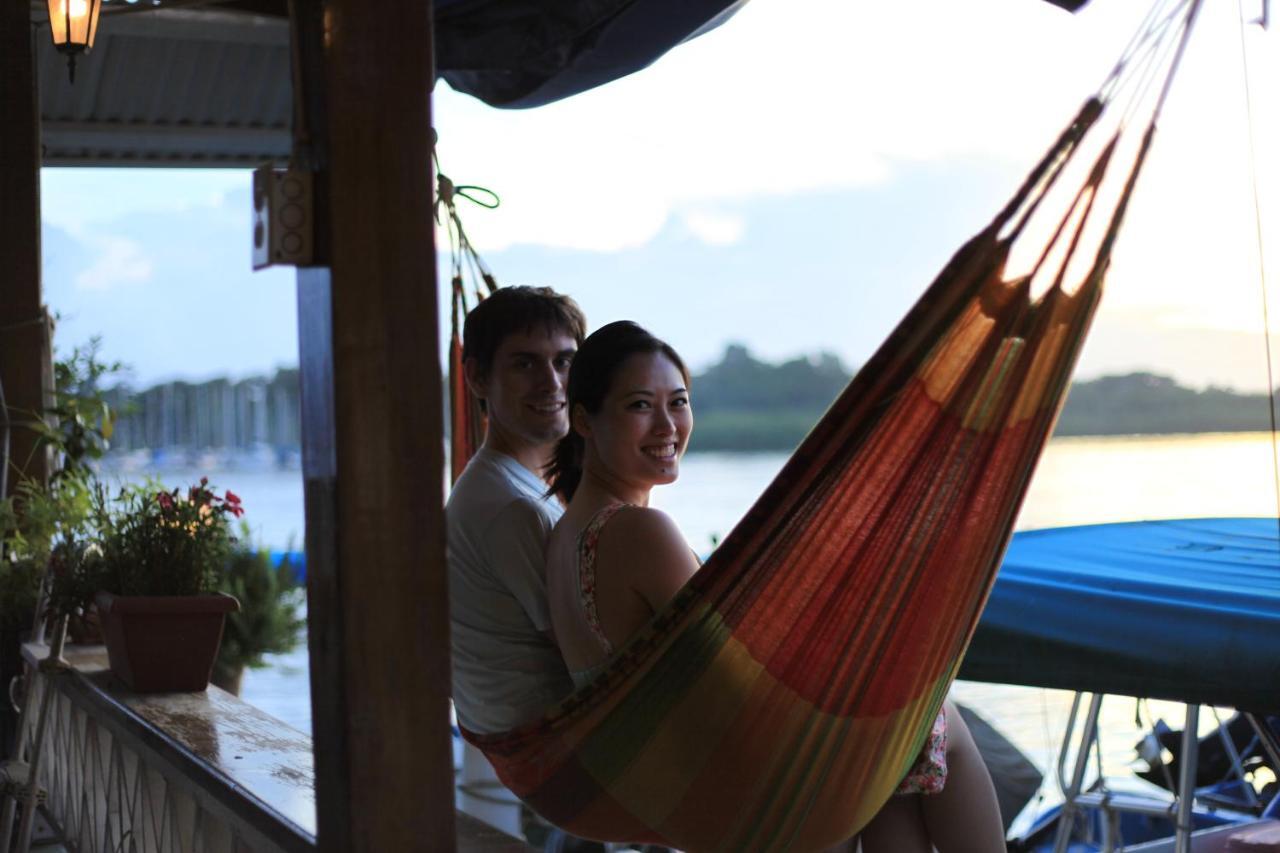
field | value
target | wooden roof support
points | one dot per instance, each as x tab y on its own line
25	368
373	459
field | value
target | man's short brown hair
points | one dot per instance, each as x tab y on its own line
517	309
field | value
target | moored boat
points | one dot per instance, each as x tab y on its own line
1181	610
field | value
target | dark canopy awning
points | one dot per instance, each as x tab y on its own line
525	53
186	82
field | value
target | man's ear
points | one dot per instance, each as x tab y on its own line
475	378
579	422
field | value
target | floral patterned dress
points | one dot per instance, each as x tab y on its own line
929	774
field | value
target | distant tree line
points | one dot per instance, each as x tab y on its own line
740	403
1148	403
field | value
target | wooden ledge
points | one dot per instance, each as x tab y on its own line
237	756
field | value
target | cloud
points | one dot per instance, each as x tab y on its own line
119	261
850	95
1162	339
171	292
714	228
843	167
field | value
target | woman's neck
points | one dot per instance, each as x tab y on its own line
597	488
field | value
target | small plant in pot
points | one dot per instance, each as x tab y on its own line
268	621
40	526
154	577
49	524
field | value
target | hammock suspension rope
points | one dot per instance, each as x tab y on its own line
1262	255
466	418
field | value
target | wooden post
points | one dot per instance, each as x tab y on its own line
373	458
25	368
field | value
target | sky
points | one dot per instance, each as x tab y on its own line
790	181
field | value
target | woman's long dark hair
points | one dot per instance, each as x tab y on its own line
590	377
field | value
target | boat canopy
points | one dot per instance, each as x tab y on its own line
1187	610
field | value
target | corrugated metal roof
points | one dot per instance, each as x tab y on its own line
170	88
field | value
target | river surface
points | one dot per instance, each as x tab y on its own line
1079	481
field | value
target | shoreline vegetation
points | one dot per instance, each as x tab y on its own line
741	404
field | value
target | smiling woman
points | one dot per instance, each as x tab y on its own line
630	424
614	562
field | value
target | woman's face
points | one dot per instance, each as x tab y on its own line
643	426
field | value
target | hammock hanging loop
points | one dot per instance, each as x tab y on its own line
467	419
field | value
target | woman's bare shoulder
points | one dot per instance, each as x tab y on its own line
644	528
645	549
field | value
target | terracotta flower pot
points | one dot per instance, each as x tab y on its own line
163	643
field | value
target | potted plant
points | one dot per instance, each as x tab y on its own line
40	527
48	524
154	573
30	540
268	621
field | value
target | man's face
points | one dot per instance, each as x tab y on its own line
524	390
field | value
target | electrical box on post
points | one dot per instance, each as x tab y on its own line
283	217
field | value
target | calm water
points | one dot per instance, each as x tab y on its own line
1079	481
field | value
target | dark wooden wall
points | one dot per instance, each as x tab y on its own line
24	327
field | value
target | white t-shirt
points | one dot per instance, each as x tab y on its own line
506	670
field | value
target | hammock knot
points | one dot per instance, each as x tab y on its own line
445	190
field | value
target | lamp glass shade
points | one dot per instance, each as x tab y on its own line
73	24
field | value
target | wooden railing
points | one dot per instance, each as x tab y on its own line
201	772
167	772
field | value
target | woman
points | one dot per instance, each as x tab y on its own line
613	561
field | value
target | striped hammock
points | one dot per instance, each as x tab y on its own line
779	699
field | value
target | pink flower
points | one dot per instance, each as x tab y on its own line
165	501
233	498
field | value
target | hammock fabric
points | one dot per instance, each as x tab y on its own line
466	420
781	696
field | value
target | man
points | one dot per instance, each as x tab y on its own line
507	669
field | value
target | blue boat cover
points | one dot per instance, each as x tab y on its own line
1186	610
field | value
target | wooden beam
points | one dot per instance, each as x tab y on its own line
372	430
25	369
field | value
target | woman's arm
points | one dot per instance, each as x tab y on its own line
646	552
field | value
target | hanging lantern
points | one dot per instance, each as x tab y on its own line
73	24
